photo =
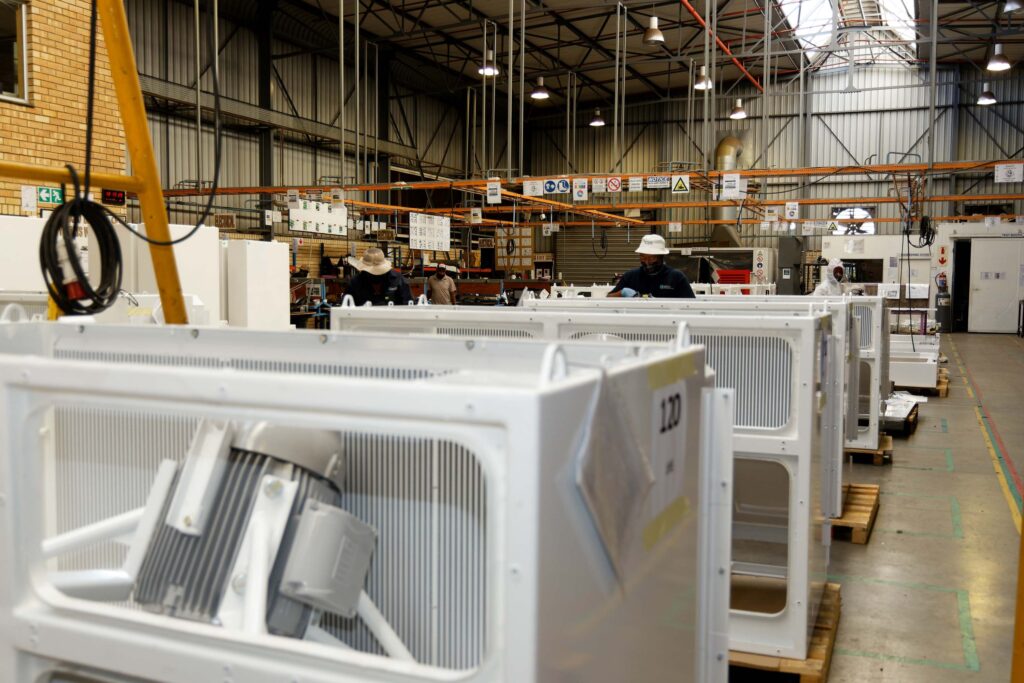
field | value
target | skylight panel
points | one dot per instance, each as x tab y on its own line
811	21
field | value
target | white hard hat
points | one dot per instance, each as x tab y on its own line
652	244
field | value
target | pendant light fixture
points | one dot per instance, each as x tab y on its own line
488	68
1012	6
703	82
986	97
597	121
738	112
998	61
540	92
653	34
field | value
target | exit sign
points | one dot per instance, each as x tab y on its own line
50	195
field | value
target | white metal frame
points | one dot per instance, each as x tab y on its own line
550	589
914	360
796	445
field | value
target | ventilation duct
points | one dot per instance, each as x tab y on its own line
727	157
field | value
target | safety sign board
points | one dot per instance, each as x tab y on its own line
636	184
614	184
579	189
730	186
50	195
792	211
680	184
476	215
675	227
494	193
600	185
550	187
533	188
563	186
1004	173
659	182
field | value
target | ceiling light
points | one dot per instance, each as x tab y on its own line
597	121
1012	6
489	68
653	34
703	82
986	97
998	61
738	112
540	92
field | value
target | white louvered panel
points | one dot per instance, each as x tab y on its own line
759	369
867	324
494	332
104	463
251	364
623	333
426	498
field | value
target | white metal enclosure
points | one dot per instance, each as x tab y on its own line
914	360
489	567
778	366
873	320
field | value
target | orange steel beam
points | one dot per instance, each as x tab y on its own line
725	48
745	221
573	208
809	202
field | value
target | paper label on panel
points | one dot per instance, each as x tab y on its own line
1009	173
494	193
636	184
730	186
533	188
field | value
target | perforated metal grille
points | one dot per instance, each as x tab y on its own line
867	324
253	364
760	369
625	334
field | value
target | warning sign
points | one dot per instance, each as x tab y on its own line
615	184
600	185
680	184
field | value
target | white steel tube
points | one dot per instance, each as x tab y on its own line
381	629
257	576
85	536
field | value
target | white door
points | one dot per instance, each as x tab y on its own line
996	284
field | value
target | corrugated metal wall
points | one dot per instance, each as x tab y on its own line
884	121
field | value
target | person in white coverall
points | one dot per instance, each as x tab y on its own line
834	273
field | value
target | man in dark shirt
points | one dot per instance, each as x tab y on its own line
376	282
653	278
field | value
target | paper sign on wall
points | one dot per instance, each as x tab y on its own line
476	215
549	228
991	220
636	184
614	184
806	228
533	188
680	184
659	182
1009	173
675	227
765	226
28	199
600	185
494	193
771	215
730	186
579	189
792	211
429	232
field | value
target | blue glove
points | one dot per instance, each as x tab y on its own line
628	293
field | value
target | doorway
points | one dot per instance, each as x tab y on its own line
961	284
995	281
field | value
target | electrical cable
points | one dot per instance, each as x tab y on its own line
66	280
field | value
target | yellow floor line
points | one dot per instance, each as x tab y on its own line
1003	484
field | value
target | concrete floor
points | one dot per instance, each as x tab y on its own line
931	596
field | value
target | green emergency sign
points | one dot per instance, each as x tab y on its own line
50	195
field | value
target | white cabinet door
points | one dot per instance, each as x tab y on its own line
995	284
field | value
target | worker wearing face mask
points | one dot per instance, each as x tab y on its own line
653	278
377	282
831	283
442	288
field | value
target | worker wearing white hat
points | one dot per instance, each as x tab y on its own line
653	278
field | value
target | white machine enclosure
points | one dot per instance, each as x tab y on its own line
843	361
701	289
778	367
914	360
873	380
490	570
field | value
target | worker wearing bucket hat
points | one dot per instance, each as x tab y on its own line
376	282
653	278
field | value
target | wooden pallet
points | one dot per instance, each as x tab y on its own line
860	508
941	388
878	455
814	669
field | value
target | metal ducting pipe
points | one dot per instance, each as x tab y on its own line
727	157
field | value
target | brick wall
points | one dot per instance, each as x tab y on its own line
50	130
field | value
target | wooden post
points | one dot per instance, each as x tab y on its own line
125	74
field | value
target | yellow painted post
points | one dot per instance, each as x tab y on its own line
140	149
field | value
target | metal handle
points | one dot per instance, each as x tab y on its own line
682	335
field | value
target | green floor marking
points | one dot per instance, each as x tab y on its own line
947	468
963	607
945	426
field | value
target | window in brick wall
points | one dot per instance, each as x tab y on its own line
12	50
